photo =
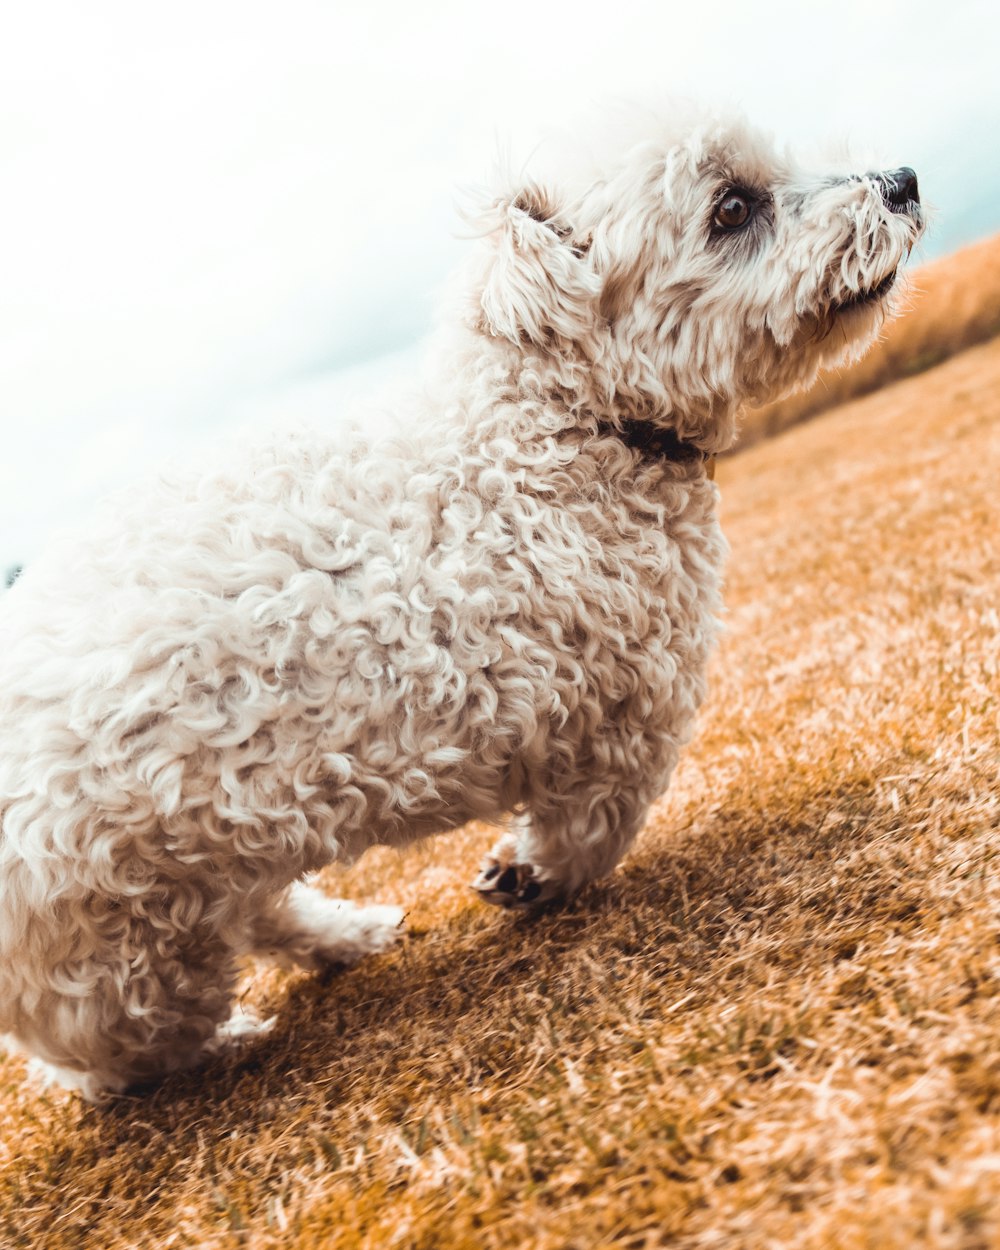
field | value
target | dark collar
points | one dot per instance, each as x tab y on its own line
656	443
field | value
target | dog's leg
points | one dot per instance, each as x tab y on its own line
132	1017
155	1060
560	847
139	1016
306	928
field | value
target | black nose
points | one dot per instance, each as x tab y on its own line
899	188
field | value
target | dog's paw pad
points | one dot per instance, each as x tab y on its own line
508	881
512	885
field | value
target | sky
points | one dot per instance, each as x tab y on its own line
215	212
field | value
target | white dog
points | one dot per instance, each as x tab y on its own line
341	641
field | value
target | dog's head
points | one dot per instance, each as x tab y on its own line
699	272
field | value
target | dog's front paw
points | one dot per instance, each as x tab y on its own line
510	884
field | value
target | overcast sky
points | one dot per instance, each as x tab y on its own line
212	210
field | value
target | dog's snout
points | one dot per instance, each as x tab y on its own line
899	188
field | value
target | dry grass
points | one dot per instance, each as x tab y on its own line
777	1026
954	303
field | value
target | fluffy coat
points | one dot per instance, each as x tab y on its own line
340	639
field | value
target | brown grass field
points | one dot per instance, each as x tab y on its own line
777	1025
952	304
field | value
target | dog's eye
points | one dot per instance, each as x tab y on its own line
733	211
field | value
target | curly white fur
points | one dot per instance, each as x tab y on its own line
343	639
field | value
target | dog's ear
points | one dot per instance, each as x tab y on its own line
539	285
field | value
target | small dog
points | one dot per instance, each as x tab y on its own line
504	606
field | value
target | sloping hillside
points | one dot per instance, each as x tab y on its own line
953	303
777	1026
